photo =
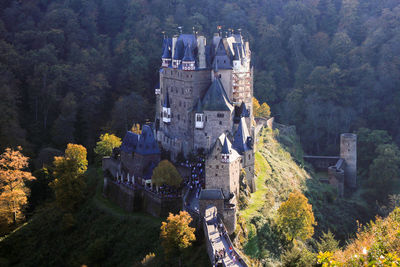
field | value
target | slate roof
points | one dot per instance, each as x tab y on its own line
129	142
147	143
225	149
240	138
144	144
221	57
216	98
188	54
210	194
245	111
166	48
166	101
233	154
199	107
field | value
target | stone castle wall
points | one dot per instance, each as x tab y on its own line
138	199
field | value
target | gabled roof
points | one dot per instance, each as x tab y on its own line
215	98
147	143
129	142
188	54
166	101
240	138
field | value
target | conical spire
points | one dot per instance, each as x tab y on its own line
199	107
167	51
166	102
240	138
225	148
245	112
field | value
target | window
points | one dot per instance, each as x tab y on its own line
199	117
180	103
217	166
220	115
216	174
220	122
179	117
205	134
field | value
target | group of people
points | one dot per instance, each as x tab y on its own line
219	255
196	181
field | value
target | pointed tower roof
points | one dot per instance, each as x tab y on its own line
199	107
225	148
240	138
245	111
167	50
215	98
166	101
188	54
221	57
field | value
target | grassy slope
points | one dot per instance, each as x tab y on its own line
102	235
279	169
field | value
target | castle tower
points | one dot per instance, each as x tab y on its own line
348	152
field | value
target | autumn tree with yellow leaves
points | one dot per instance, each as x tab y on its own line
107	143
13	191
68	184
262	110
176	234
296	218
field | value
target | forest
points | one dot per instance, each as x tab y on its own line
74	70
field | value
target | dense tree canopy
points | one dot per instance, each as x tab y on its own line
71	69
166	174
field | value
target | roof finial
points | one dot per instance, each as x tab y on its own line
180	29
194	31
240	31
219	28
163	33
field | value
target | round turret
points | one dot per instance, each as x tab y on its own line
348	152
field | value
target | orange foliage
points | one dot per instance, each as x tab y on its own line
13	196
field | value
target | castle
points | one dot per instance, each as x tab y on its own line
203	105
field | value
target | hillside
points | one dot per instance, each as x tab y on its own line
280	169
100	234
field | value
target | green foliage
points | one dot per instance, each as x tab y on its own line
298	255
327	242
106	144
295	217
384	171
166	173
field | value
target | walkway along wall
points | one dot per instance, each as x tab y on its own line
136	199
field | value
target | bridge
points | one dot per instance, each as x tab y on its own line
218	240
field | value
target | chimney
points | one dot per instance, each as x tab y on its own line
174	39
201	46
